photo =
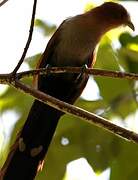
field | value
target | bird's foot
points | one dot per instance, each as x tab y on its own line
80	75
48	66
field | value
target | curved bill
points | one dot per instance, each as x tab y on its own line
131	25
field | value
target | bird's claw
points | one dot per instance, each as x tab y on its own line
79	77
48	66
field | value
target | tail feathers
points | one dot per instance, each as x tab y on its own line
10	156
30	147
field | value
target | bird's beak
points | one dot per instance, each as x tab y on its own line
131	25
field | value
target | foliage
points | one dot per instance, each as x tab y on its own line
117	100
46	28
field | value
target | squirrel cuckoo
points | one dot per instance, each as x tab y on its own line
73	44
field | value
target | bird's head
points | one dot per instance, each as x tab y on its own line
113	15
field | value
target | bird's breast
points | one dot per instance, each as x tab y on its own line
75	46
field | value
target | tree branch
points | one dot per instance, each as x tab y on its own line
70	109
6	78
96	72
3	2
13	80
28	41
67	108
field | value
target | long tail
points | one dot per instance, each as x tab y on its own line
32	143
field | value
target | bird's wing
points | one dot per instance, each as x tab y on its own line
46	56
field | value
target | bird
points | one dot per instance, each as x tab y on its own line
73	44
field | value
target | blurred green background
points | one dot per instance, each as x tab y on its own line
76	139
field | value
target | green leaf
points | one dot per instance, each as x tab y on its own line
125	165
85	140
46	28
33	60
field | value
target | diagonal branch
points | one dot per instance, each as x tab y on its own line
70	109
3	2
28	41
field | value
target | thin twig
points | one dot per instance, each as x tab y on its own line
70	109
96	72
3	2
28	41
6	78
